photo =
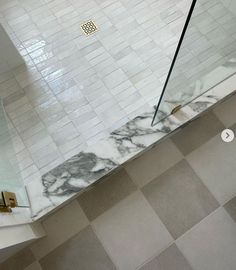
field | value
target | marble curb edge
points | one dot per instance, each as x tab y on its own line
68	180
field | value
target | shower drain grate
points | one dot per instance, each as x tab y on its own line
89	28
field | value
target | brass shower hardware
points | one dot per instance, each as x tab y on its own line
176	109
7	201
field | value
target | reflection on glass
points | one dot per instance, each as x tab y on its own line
10	179
206	54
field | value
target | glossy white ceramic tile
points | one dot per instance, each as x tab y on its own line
76	89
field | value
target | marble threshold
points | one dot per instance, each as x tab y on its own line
65	182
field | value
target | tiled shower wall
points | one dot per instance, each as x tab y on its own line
75	89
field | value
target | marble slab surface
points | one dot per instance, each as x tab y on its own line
84	169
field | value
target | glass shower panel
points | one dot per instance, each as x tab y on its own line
10	178
205	56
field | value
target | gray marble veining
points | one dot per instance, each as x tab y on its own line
88	166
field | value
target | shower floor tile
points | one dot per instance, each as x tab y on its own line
75	89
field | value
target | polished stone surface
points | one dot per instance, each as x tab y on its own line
82	170
76	90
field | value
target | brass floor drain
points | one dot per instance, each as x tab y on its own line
89	28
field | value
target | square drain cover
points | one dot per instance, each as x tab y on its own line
89	27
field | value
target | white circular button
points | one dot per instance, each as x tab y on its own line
227	135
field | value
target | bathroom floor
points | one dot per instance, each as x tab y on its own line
76	89
172	208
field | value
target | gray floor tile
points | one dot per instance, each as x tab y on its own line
34	266
106	194
211	244
153	163
179	198
19	261
84	252
131	232
197	133
59	227
214	162
230	207
170	259
226	111
233	127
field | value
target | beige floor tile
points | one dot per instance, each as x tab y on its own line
170	259
230	207
59	227
180	198
19	261
214	162
197	133
131	232
104	195
153	163
233	127
211	244
34	266
82	252
226	111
